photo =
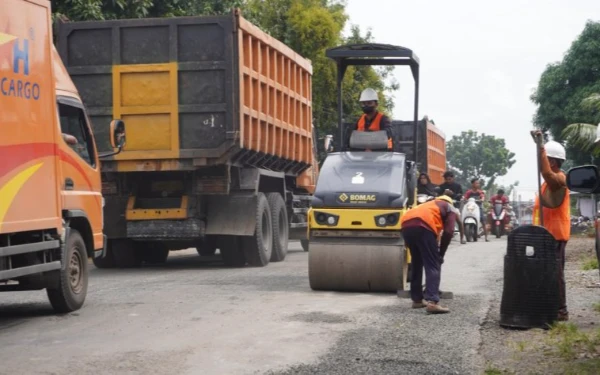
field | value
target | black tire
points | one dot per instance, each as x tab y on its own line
259	247
126	254
231	251
304	244
70	293
108	261
475	233
280	227
498	233
152	252
206	247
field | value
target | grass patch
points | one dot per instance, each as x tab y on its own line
597	307
568	342
493	370
590	264
586	367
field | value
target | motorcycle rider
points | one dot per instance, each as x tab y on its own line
556	205
451	188
477	193
500	198
425	186
372	120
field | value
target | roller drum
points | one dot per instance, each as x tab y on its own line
357	265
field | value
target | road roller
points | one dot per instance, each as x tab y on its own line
362	192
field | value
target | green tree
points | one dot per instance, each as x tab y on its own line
581	135
310	27
471	155
563	87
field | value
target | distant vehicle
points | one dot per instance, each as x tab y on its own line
586	180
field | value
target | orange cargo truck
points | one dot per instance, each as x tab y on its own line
223	152
50	189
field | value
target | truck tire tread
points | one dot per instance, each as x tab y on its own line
280	234
258	248
63	298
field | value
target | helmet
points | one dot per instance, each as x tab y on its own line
445	198
368	95
555	150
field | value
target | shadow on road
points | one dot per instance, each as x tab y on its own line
16	314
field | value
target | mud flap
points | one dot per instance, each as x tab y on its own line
233	215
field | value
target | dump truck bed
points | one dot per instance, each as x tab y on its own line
193	91
431	147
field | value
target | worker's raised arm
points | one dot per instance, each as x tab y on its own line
554	180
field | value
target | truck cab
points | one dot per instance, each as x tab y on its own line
51	207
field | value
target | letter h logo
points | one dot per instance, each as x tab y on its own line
21	54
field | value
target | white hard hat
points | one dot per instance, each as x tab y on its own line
597	134
555	150
368	95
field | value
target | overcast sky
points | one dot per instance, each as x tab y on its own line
480	61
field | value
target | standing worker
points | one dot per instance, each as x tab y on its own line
556	208
420	228
372	120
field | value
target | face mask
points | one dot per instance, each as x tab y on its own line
368	109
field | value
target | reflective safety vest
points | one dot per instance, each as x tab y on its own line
375	126
429	213
556	220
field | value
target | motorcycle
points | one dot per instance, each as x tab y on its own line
498	214
471	215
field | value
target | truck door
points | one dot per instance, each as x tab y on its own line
81	186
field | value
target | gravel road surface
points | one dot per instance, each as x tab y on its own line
194	316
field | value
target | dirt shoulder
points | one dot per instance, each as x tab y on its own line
567	348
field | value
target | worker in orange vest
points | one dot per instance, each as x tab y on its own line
420	227
556	205
372	120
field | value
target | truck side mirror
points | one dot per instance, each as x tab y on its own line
584	179
117	134
328	143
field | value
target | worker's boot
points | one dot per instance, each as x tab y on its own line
436	308
418	305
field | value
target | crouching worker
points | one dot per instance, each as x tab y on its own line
420	228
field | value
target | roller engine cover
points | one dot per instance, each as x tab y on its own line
362	179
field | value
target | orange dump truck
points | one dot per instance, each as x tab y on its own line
221	117
50	189
431	147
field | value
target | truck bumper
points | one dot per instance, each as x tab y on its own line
186	229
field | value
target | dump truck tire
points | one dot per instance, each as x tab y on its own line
206	247
304	244
259	247
126	254
357	267
108	261
69	295
279	225
153	252
231	251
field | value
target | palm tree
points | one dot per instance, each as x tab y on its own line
584	135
